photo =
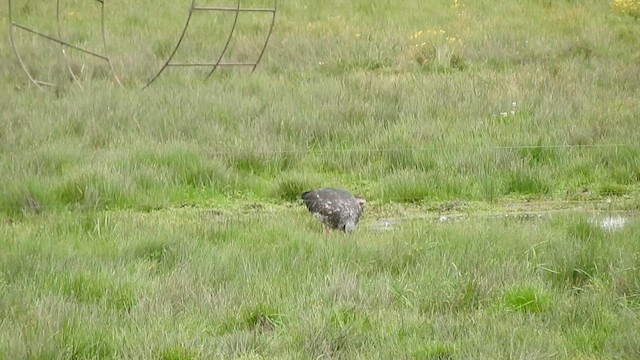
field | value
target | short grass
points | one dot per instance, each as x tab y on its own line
111	246
265	283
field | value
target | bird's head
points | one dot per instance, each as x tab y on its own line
361	201
349	227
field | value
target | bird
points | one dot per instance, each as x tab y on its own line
334	208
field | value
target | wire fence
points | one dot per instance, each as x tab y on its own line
573	196
419	149
416	149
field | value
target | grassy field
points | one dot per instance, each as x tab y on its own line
163	223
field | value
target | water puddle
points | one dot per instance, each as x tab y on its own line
609	221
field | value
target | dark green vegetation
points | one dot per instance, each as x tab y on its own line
110	246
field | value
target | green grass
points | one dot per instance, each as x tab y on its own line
195	284
163	223
337	99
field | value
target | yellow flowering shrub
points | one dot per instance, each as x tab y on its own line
439	48
627	7
436	47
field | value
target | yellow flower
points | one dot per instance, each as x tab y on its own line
457	4
630	7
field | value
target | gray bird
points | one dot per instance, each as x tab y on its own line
334	208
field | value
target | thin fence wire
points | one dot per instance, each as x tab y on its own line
414	149
420	149
100	202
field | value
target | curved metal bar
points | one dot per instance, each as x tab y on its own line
15	51
64	53
266	41
175	49
104	42
226	45
60	40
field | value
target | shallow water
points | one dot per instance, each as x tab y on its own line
609	220
610	223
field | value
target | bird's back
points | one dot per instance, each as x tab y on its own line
335	207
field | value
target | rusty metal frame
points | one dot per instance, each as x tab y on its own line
218	62
63	45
